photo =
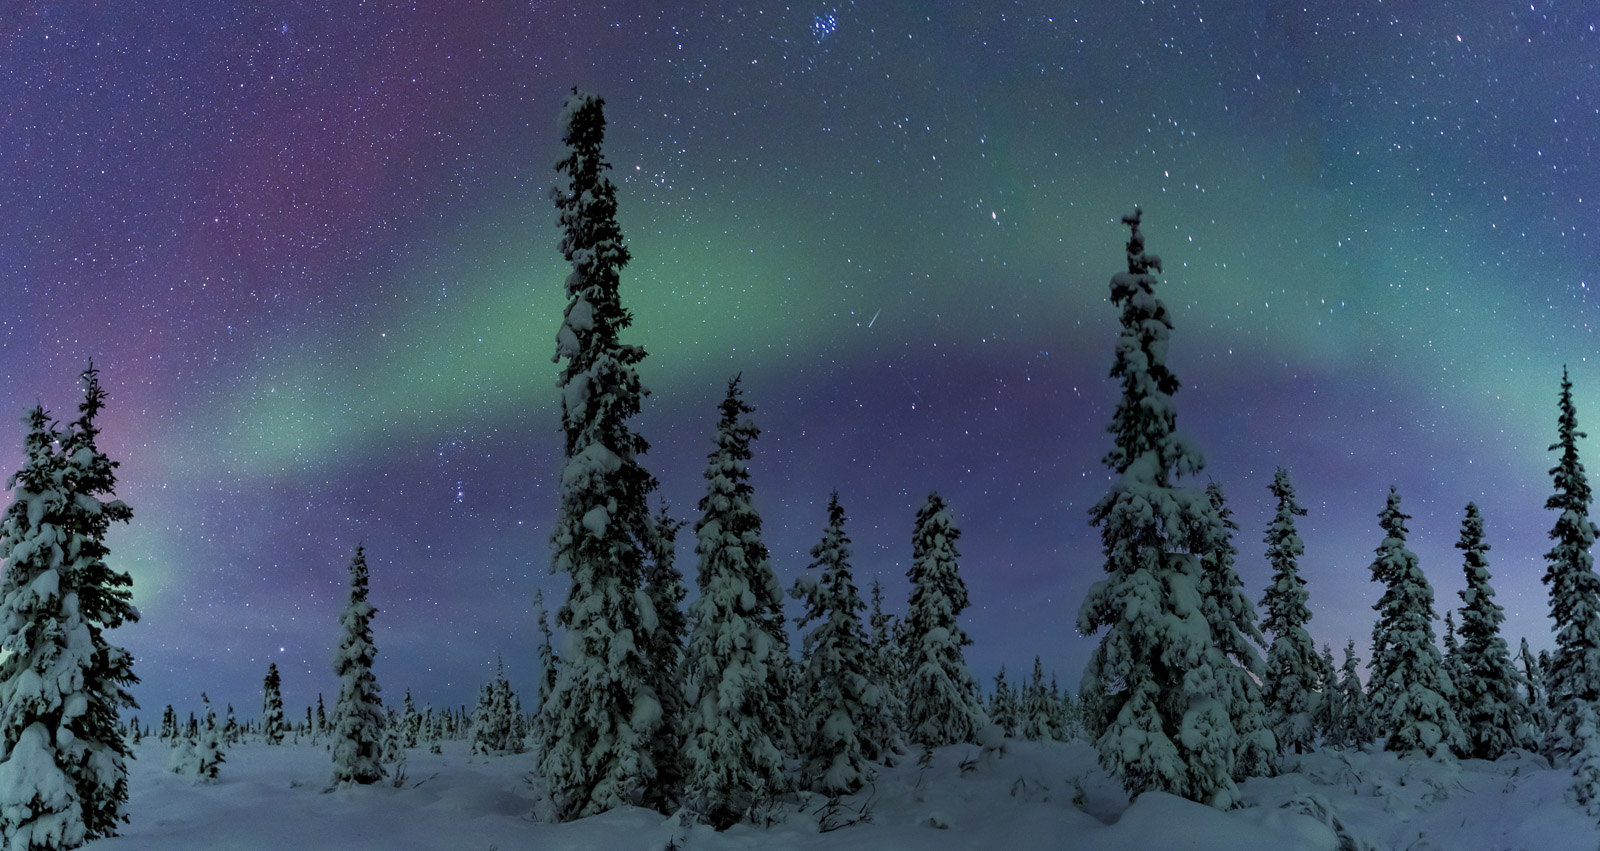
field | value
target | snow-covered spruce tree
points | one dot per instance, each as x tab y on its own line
272	706
1293	677
358	713
885	663
208	752
1452	664
738	670
1492	712
96	755
1355	713
1572	679
410	721
1412	692
603	714
483	723
1233	630
1004	707
942	702
1036	708
230	729
1533	682
1327	717
169	719
392	749
63	773
322	717
665	631
1153	698
545	676
836	695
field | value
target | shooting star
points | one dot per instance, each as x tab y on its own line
873	319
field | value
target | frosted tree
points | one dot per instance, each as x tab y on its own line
410	721
1232	619
208	752
737	663
836	695
322	717
545	674
1004	708
1533	682
230	729
63	773
665	631
272	706
1153	698
1327	717
358	716
942	703
1293	677
1492	712
1412	692
1572	679
1036	708
884	662
481	739
1355	714
603	715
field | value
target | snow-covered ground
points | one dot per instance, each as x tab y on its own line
1036	796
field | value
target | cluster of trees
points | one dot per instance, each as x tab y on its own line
705	709
1176	694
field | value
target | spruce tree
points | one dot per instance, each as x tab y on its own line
1492	712
1232	619
63	767
1533	682
358	716
410	721
1004	708
665	630
1355	713
1036	708
548	666
1412	693
604	714
836	695
942	703
1572	679
272	706
738	657
1153	698
884	669
1293	677
1327	717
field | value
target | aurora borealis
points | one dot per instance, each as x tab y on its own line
312	251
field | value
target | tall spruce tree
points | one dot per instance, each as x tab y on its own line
1037	724
63	772
665	630
545	675
1153	698
1233	629
358	715
1293	677
1412	693
942	702
836	694
272	706
1572	679
1533	682
1355	713
884	666
738	657
1004	707
1492	712
604	714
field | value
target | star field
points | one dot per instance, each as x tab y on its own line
314	256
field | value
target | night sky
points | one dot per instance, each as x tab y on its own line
314	255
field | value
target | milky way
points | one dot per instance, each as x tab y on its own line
315	257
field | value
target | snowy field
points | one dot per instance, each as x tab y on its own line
1037	796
